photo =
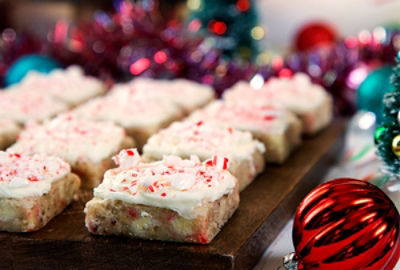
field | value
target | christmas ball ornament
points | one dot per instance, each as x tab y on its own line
372	89
396	145
378	133
314	35
346	224
23	65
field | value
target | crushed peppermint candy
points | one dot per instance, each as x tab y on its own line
24	175
127	158
205	140
31	106
71	139
272	118
297	94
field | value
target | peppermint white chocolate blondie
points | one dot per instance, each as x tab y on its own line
33	189
278	129
141	117
8	132
310	102
67	85
86	145
184	139
189	95
171	200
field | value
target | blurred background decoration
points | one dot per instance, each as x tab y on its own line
213	42
231	24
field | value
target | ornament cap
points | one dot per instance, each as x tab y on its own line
290	261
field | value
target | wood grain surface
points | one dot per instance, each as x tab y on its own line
265	207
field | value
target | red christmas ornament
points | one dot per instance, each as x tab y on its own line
313	35
243	5
346	224
217	27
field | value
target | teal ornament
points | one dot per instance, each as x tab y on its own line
372	89
25	64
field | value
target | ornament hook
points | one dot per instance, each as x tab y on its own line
290	261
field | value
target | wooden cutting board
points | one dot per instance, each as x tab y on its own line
265	207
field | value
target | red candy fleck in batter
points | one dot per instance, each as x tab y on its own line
171	216
132	213
199	123
163	194
130	153
230	130
203	239
112	190
151	188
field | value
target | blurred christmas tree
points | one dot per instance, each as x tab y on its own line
387	136
231	23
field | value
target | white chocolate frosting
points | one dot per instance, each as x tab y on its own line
23	176
187	94
71	139
298	94
173	183
271	119
202	139
129	110
8	126
69	85
28	106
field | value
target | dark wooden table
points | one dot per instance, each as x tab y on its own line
265	207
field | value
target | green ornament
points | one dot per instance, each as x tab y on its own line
392	27
372	89
378	132
396	145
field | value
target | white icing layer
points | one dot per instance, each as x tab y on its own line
28	106
187	94
8	126
69	85
22	175
129	110
298	94
71	139
203	140
269	119
173	183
